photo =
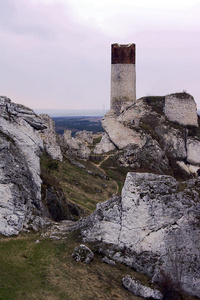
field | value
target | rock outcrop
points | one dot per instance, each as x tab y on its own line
154	226
75	146
49	136
104	146
85	136
20	183
156	134
137	289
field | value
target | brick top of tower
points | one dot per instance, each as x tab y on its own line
123	54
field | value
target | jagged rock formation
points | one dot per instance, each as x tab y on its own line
154	135
104	146
22	133
49	136
154	226
76	146
20	182
85	136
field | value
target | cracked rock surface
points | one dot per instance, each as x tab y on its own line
150	137
137	289
20	183
153	226
50	138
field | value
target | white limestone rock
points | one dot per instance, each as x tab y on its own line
104	146
75	146
85	136
49	137
148	135
67	134
133	114
193	151
190	169
120	135
137	289
173	142
154	226
20	182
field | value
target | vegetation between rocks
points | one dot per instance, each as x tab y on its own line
33	268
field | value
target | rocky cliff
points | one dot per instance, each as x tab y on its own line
153	227
50	138
20	182
156	134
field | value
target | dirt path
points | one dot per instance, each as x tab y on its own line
103	171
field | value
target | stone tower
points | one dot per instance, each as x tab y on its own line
123	79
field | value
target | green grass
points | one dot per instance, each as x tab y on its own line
78	186
46	270
115	172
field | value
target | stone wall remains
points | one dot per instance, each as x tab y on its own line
181	108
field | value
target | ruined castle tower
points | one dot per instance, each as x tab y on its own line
123	79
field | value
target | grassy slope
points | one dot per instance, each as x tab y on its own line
80	187
46	270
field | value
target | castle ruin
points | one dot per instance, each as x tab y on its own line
179	107
123	78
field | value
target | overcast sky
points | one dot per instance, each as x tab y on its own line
56	53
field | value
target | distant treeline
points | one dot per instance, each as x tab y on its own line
78	124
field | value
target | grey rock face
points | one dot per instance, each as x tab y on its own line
85	136
75	146
155	133
83	253
105	145
193	151
20	183
137	289
49	137
154	226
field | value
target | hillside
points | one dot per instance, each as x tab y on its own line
131	194
77	124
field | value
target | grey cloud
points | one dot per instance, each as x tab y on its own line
51	58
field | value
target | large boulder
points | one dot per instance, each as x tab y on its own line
138	289
20	182
50	138
85	136
75	146
154	226
105	145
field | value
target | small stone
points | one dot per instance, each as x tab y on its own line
82	253
54	237
108	261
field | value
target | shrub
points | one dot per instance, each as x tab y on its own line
170	289
52	165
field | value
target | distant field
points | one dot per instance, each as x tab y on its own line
78	124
